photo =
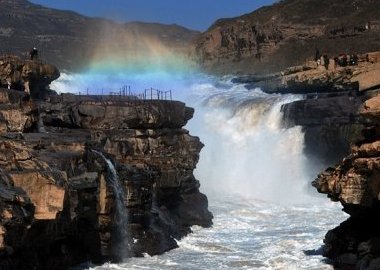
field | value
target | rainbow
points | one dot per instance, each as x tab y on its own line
153	66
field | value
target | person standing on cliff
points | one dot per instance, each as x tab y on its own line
326	61
33	53
317	55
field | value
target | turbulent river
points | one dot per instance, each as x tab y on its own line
254	173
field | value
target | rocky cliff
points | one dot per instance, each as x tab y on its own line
70	40
340	116
332	97
59	158
355	183
287	33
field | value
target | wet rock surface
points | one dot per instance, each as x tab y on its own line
56	205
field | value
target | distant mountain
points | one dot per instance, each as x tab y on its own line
70	40
287	33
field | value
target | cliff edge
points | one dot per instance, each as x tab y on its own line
346	113
355	183
60	160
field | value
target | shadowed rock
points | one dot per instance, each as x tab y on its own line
355	182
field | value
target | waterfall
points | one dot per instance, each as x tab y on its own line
248	151
120	212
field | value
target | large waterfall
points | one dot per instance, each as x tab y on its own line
248	151
120	212
256	177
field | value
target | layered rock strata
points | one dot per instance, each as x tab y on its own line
340	115
329	110
56	205
287	33
311	78
355	183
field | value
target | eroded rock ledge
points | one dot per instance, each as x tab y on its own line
56	208
329	111
355	182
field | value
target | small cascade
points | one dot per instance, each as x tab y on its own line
120	213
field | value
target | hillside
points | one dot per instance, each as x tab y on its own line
287	33
69	40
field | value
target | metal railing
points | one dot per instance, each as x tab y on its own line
126	93
123	95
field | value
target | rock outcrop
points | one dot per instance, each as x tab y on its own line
57	207
329	112
311	78
340	119
355	183
287	33
33	77
330	125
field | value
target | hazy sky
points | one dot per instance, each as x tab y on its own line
194	14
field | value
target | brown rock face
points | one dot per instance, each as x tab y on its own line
355	182
57	205
31	76
329	112
287	33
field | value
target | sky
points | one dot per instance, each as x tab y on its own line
193	14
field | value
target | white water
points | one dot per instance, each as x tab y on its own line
248	152
120	212
257	181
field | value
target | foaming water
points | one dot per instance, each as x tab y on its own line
249	234
254	173
248	151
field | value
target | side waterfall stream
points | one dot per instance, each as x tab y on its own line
120	212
